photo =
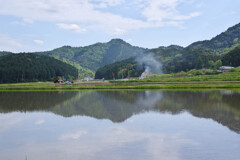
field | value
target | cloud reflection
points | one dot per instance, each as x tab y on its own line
118	142
41	121
10	120
73	135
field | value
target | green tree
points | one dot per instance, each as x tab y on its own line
200	63
211	64
218	64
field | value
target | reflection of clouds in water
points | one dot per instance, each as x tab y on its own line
41	121
156	145
9	120
73	135
110	143
147	136
129	120
150	99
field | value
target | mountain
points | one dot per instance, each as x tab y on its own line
174	58
222	43
90	58
28	67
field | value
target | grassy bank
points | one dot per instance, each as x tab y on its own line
228	76
173	86
228	80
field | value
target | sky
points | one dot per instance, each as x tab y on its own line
40	25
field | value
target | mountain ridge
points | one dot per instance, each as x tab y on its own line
88	59
222	43
97	55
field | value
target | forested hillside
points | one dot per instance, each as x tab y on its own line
5	53
173	60
30	67
122	69
222	43
232	58
189	59
88	59
166	54
94	56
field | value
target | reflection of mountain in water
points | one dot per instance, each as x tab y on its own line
115	105
217	105
221	106
32	101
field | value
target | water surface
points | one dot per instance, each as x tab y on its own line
120	125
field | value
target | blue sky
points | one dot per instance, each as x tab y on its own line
39	25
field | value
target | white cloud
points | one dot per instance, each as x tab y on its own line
38	41
9	44
72	27
106	3
24	21
119	31
68	13
12	44
200	5
165	10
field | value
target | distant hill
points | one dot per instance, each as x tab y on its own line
222	43
90	58
31	67
174	58
5	53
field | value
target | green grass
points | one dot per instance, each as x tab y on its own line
27	84
172	86
229	80
228	76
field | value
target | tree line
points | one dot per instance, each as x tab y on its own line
122	69
177	60
28	67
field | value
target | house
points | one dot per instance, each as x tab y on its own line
225	69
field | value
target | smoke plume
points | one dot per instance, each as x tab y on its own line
149	63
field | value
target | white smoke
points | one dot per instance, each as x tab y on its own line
150	64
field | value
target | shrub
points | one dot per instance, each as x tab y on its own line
196	72
234	70
181	74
